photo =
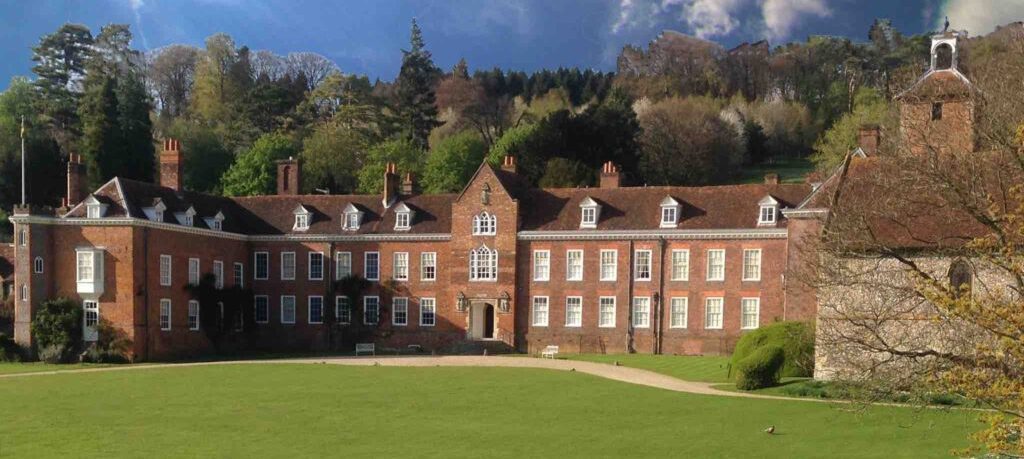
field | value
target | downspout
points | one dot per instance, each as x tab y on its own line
629	301
659	320
329	294
145	290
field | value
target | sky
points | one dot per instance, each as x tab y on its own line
366	36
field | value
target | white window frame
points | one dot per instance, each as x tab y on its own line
256	265
614	265
193	313
428	308
342	304
342	260
402	220
768	215
283	309
570	265
676	304
366	266
541	265
681	257
256	308
90	264
218	274
400	266
301	222
637	265
91	316
720	302
238	274
351	221
309	309
744	324
579	319
485	224
165	314
37	265
366	303
93	211
194	271
710	266
756	254
602	302
483	264
24	292
639	313
428	266
534	310
588	217
165	270
23	237
397	303
284	266
310	256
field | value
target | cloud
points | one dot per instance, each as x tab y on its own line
136	6
714	18
979	17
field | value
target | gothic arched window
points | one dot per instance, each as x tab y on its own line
485	224
483	264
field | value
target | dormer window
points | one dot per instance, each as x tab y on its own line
302	219
156	212
669	212
403	217
352	217
92	211
216	222
94	208
485	224
186	218
769	213
590	211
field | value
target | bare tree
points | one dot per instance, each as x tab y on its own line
313	66
171	72
267	63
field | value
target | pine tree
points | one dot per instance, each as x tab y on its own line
60	65
101	137
416	109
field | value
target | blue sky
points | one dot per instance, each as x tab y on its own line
365	36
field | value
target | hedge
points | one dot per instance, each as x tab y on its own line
796	340
760	369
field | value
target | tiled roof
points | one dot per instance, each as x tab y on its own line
432	213
945	84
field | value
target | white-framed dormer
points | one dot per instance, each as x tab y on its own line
768	211
303	217
215	222
94	208
156	211
670	210
351	218
403	217
590	213
186	218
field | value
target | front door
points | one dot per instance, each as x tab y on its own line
91	317
489	321
481	321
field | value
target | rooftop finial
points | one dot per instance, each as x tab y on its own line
946	27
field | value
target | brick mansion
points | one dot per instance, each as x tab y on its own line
612	268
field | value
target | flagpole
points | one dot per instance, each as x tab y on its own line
22	160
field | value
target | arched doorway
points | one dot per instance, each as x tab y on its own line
488	321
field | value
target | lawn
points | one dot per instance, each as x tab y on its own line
36	367
700	368
790	170
296	410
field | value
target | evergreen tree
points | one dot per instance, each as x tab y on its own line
101	141
60	60
416	106
254	172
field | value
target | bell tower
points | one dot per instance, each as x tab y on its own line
937	112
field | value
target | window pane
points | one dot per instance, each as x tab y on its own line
400	308
607	311
679	312
342	265
641	312
573	311
372	267
750	310
609	265
713	313
574	265
540	311
752	265
716	265
541	265
428	266
680	265
642	270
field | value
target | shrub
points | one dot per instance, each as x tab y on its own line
760	369
112	346
57	329
9	350
796	340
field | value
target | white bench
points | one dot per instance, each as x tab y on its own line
366	348
549	352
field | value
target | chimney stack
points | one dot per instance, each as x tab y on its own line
76	181
868	139
508	163
390	184
289	177
610	176
771	178
171	165
407	184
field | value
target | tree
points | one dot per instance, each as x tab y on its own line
222	311
206	157
254	171
217	88
57	329
43	166
332	157
452	163
171	72
60	60
869	108
566	173
407	156
415	98
311	66
101	142
684	142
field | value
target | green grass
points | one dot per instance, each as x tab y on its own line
36	367
296	410
790	170
810	388
699	368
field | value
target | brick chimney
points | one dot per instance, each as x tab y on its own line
508	163
407	184
289	177
390	184
610	176
868	138
171	165
76	181
771	178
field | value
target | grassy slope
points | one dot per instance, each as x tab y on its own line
290	410
687	367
